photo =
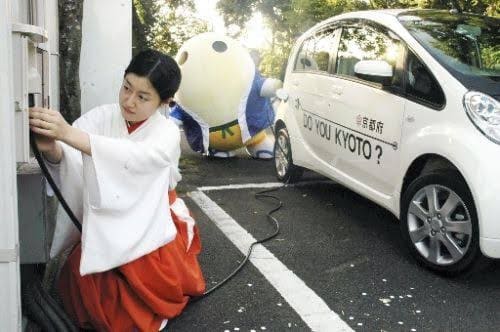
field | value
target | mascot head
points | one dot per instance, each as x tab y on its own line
216	74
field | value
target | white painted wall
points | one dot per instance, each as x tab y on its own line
52	26
10	300
106	50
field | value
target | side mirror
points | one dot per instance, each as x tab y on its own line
282	94
377	71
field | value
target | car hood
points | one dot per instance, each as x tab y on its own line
486	85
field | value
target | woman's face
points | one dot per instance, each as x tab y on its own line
138	98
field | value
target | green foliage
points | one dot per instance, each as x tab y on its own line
274	61
491	57
236	12
173	27
164	25
288	19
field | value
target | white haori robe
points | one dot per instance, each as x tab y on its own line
120	193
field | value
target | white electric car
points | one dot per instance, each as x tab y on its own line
402	107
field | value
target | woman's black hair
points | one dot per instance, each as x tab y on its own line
161	70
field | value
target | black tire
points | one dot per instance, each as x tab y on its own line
444	240
286	171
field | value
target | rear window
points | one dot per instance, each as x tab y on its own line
316	51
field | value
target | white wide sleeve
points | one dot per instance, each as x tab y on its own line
68	176
120	170
126	186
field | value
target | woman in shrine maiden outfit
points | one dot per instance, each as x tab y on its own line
135	264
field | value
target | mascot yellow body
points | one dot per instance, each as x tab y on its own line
223	101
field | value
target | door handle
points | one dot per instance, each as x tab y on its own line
410	118
295	83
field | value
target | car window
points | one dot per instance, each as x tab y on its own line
367	42
421	84
315	53
304	60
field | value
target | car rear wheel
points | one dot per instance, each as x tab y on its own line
286	171
439	223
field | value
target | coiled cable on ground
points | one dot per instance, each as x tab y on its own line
271	218
42	309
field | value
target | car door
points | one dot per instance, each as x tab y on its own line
368	116
310	95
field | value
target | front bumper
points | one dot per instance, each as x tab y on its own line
484	183
490	247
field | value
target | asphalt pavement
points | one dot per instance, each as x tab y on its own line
345	252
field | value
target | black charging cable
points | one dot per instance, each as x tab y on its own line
271	218
37	302
44	310
50	180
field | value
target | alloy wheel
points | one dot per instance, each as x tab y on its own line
439	224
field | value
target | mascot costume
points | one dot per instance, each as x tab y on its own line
223	102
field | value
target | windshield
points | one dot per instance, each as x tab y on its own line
467	45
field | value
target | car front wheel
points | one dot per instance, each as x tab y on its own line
286	171
439	223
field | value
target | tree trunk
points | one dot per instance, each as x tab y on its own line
70	40
139	32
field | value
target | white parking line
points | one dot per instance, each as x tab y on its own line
243	186
308	305
261	185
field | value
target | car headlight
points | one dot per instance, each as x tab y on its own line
484	112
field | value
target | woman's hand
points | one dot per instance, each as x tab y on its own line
52	127
48	126
48	123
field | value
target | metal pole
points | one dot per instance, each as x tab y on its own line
10	299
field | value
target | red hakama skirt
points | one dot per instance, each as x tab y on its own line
139	295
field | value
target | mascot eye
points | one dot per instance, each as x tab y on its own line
183	58
219	46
